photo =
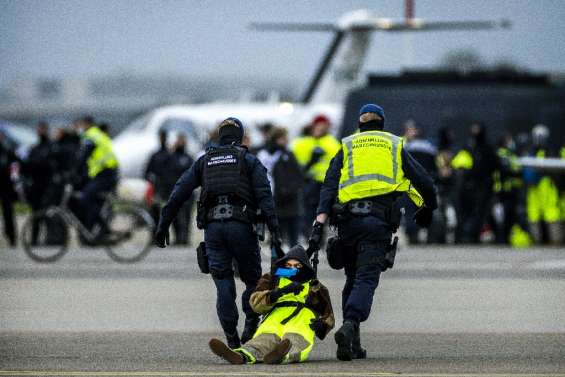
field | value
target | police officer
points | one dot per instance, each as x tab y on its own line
234	185
366	178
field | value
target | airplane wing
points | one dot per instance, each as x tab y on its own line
421	25
293	26
381	24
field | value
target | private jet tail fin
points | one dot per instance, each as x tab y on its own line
340	68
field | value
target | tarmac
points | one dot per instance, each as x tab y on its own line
442	311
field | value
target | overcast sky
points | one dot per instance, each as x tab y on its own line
48	38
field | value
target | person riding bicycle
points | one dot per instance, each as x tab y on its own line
97	155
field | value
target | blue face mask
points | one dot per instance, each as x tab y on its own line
286	272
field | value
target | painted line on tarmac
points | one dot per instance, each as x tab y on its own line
266	373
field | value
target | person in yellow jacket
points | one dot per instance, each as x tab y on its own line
296	308
314	153
542	201
97	155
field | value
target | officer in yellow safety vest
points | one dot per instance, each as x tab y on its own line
314	153
102	171
295	306
361	191
508	187
542	201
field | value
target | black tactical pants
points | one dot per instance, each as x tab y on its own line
365	241
226	241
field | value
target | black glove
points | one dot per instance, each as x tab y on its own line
423	216
315	239
162	238
294	288
317	154
319	328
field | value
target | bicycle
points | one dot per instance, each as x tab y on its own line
127	236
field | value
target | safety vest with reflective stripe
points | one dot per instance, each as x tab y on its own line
510	181
304	147
103	156
372	166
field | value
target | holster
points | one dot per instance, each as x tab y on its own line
391	253
202	258
200	215
376	253
259	226
334	253
339	214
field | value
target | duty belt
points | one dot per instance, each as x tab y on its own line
230	212
368	207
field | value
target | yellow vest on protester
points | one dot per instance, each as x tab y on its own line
303	148
103	156
372	166
298	324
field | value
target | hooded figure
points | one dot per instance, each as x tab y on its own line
295	308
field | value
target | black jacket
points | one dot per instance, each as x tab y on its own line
192	179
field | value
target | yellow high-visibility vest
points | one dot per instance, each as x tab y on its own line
300	322
511	182
462	160
372	166
103	156
303	148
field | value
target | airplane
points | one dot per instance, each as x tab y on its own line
338	72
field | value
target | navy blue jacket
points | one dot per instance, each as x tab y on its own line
192	179
417	175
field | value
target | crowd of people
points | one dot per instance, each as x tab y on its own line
484	194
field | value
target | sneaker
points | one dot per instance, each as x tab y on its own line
344	339
277	355
222	350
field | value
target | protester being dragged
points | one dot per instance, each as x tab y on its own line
296	308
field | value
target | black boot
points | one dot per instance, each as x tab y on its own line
358	351
233	340
249	330
344	339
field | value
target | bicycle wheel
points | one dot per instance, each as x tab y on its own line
45	236
131	234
